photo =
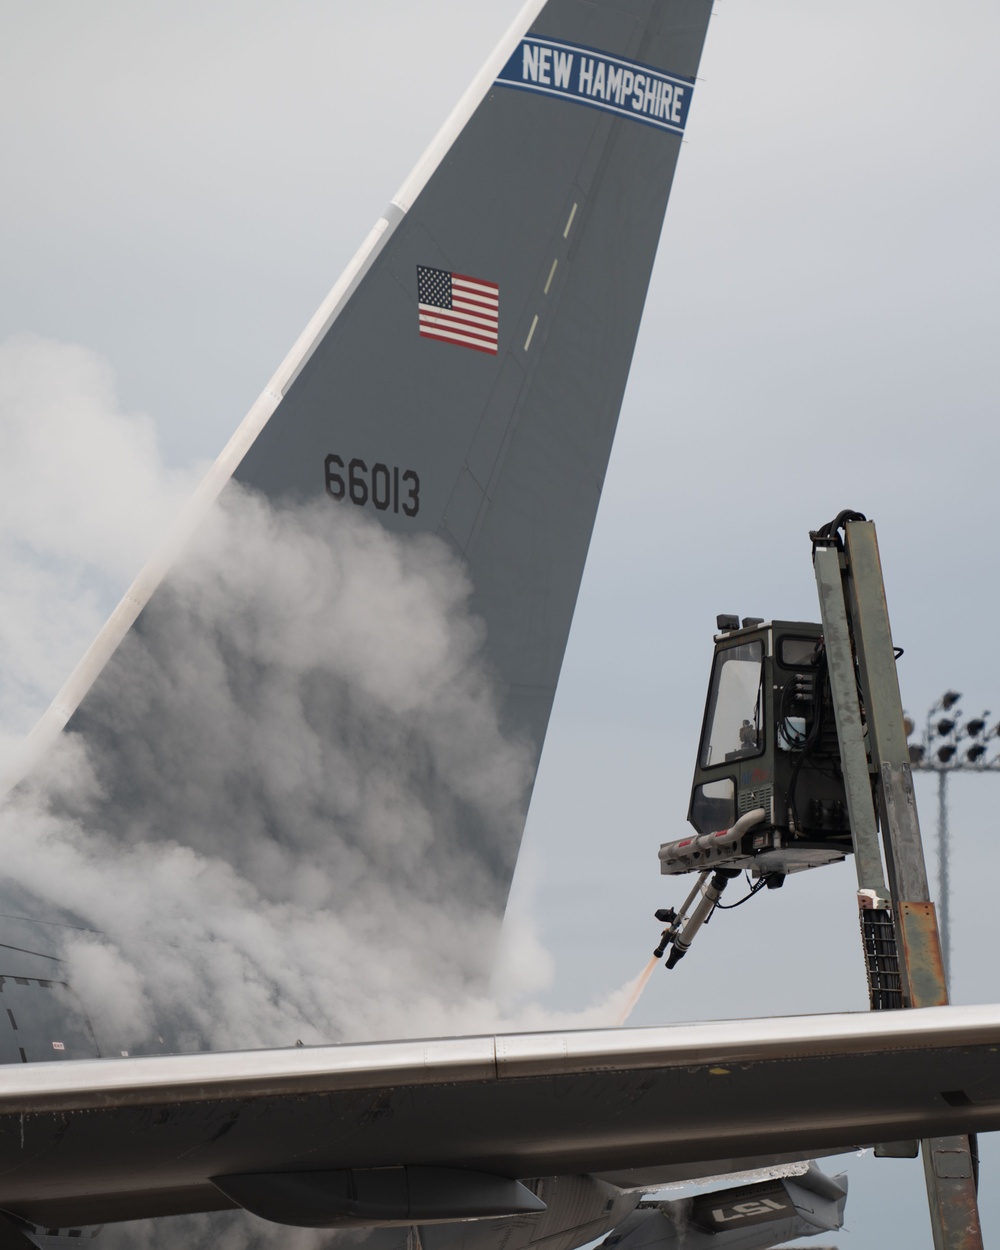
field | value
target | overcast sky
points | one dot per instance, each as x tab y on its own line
184	183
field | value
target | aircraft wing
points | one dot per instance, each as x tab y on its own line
92	1141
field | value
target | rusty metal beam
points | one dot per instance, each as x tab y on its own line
950	1165
950	1168
916	924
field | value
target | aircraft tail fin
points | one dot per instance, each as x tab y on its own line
457	391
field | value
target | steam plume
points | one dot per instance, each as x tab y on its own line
287	809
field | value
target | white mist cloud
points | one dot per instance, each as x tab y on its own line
288	802
288	809
524	969
84	497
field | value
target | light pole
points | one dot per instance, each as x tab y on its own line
949	746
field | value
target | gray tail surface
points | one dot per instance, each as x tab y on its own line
448	412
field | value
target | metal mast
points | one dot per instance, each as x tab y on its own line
898	920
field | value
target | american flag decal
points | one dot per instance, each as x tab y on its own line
457	309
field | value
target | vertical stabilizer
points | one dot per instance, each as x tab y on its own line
428	462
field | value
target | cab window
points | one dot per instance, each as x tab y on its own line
733	728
